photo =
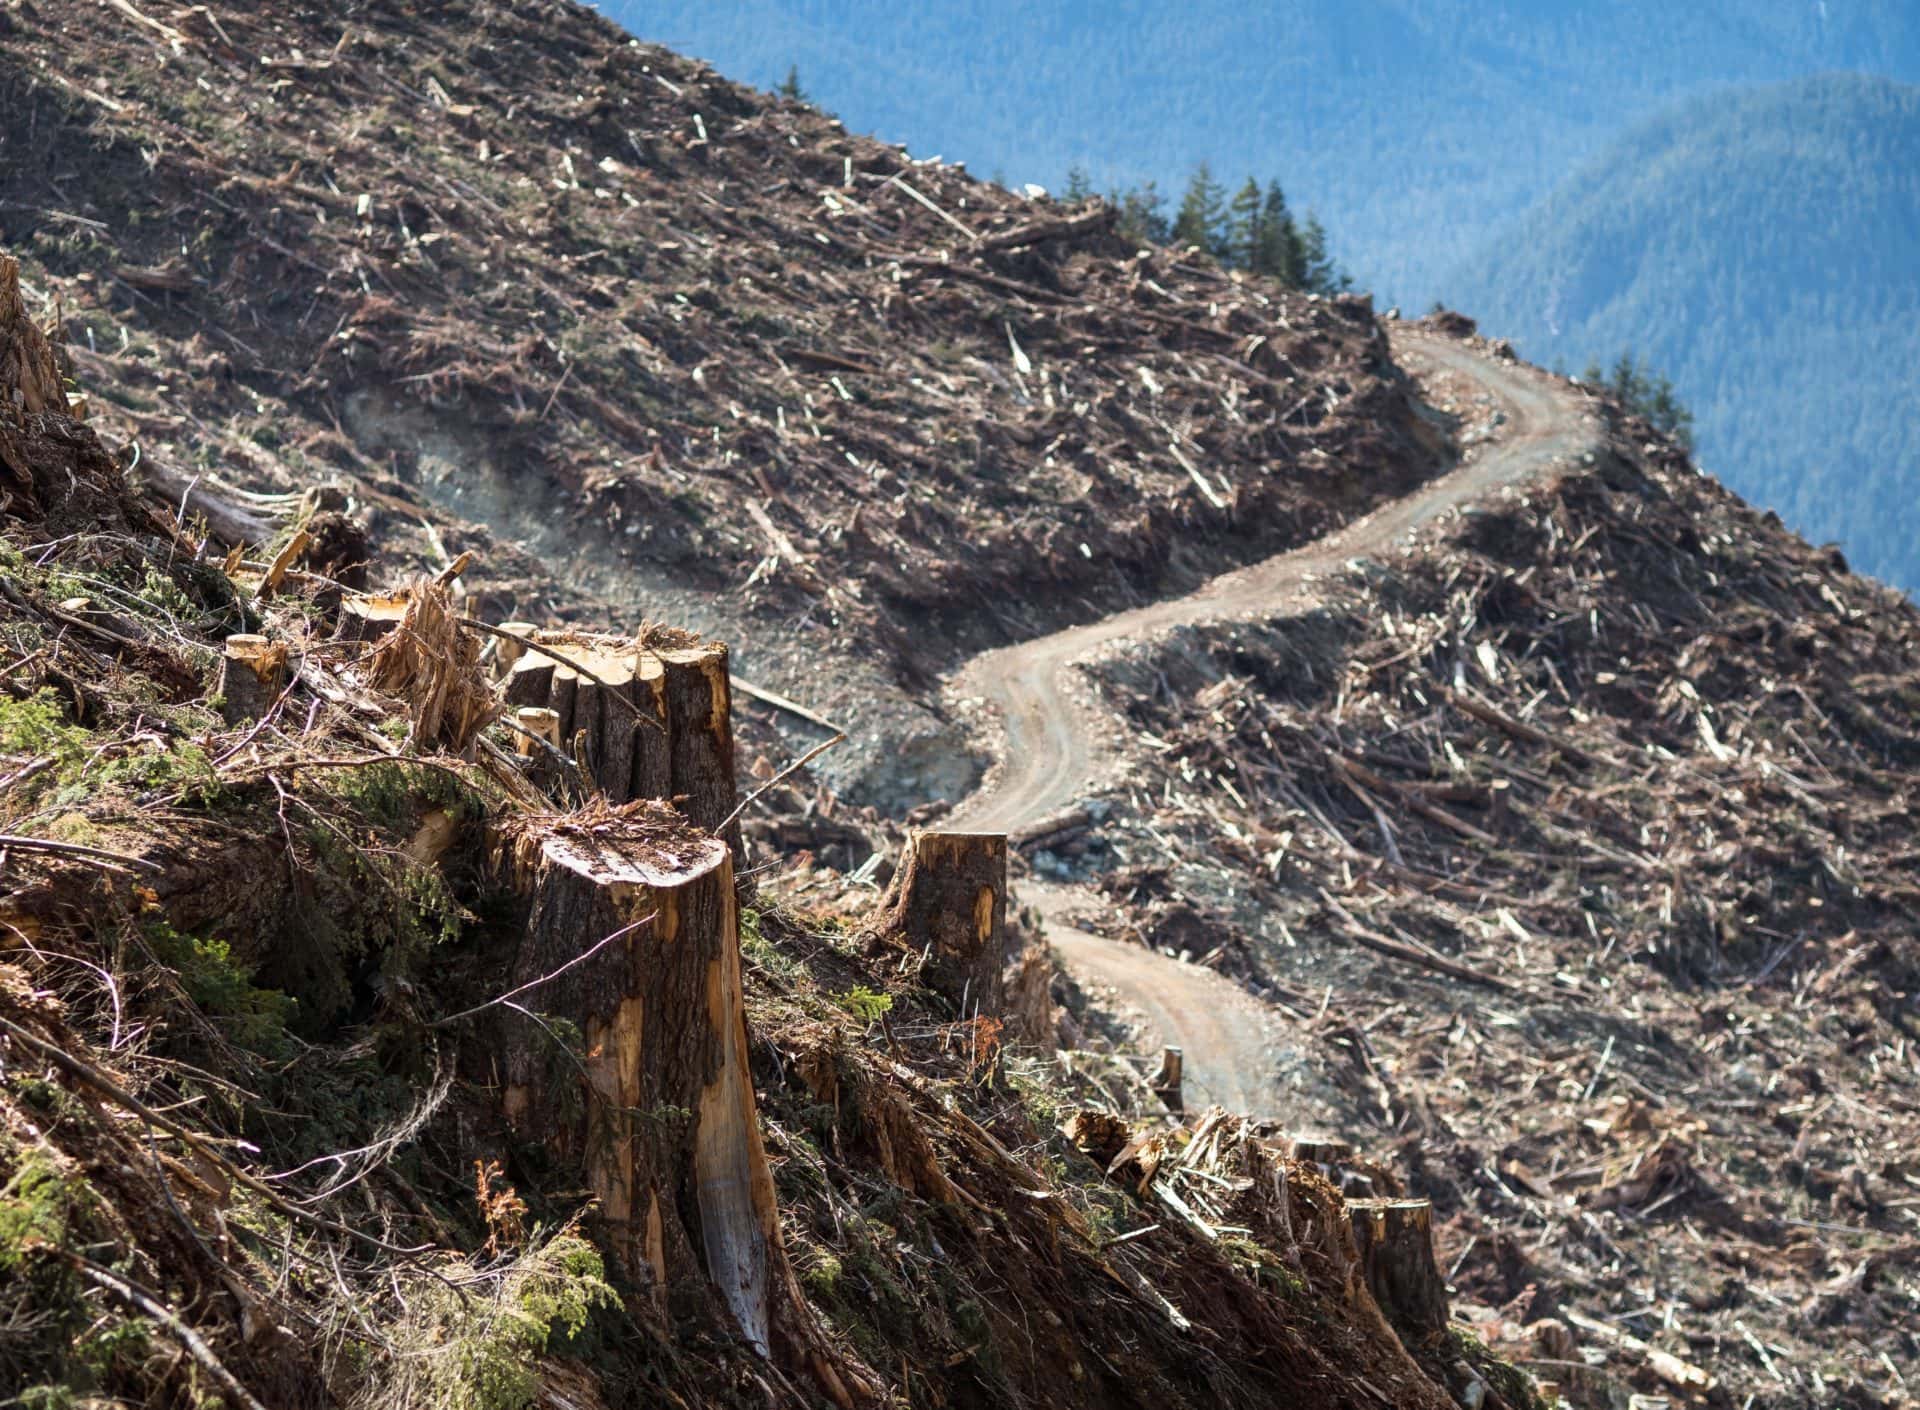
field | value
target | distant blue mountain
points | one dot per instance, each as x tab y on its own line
1761	247
1414	127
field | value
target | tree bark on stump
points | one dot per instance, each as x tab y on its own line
507	650
663	1122
672	738
693	695
1394	1238
949	898
1166	1083
253	672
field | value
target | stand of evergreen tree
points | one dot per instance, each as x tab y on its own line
1252	230
1646	393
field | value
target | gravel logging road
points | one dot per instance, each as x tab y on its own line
1050	750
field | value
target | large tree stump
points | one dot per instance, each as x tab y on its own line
510	648
949	898
1394	1238
652	718
657	1107
693	693
663	1124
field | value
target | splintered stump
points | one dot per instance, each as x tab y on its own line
253	672
1394	1238
662	1121
645	720
949	898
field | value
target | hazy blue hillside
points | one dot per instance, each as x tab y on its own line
1412	126
1763	248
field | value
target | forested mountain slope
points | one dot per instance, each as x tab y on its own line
1762	248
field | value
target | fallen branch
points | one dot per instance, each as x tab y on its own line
185	1335
100	1082
788	771
74	849
1682	1375
1519	729
781	702
1394	949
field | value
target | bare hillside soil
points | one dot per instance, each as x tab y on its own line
264	1012
1559	856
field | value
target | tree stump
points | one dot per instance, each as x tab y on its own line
949	898
1394	1238
1323	1151
652	721
507	650
369	619
693	694
253	672
663	1123
1166	1082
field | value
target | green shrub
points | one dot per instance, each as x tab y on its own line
476	1352
867	1005
252	1017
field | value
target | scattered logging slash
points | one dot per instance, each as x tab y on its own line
949	898
1053	829
1683	1375
631	921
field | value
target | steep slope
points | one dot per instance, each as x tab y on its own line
1562	855
262	988
1054	750
704	353
1762	248
1572	845
1414	127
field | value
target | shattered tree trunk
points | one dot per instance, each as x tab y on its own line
663	1124
949	898
647	723
1394	1238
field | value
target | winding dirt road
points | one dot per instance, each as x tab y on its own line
1051	754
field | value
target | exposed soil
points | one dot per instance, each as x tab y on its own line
1557	849
1573	843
